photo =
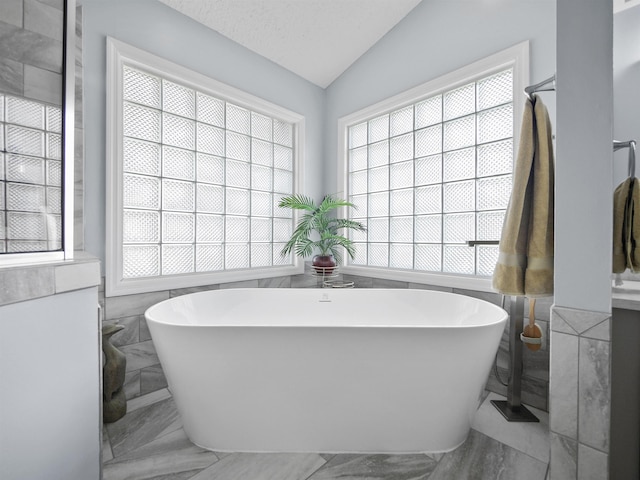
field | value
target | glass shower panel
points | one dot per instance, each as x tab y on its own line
30	175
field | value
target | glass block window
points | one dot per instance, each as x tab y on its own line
429	176
201	180
195	171
30	176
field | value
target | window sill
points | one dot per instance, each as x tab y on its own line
467	282
115	288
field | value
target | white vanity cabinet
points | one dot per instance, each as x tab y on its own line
50	358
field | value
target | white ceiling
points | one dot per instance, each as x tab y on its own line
316	39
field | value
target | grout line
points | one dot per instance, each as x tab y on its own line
147	399
105	435
319	468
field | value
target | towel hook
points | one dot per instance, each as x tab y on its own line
631	145
548	85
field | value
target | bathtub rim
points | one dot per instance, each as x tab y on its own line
151	314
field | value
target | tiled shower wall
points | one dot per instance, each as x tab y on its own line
31	49
144	373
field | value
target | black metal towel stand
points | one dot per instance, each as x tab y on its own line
511	408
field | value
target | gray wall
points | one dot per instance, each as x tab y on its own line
626	85
584	203
437	37
151	26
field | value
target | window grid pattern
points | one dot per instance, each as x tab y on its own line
428	177
202	179
30	176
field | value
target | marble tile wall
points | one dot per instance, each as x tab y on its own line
580	400
78	164
31	49
144	373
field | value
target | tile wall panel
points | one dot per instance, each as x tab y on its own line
580	400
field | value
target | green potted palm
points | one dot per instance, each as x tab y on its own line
318	231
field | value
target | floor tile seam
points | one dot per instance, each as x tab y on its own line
138	399
159	455
198	472
325	462
115	460
110	449
438	460
318	469
514	448
153	440
310	477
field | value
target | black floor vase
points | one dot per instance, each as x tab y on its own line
114	402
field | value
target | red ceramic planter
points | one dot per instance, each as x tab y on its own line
323	264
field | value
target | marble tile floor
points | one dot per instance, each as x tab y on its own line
149	443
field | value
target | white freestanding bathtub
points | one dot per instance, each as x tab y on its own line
326	370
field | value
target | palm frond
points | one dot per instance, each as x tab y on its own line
298	202
350	224
329	202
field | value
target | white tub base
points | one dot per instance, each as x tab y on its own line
255	372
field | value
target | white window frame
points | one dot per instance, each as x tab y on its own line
517	58
120	54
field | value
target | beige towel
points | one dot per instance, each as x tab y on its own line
626	226
633	249
525	263
621	239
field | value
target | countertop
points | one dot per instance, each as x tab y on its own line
26	282
626	296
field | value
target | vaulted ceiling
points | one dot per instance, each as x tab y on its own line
316	39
